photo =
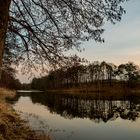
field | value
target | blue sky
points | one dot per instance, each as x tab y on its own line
122	40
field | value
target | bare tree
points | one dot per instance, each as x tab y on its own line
40	31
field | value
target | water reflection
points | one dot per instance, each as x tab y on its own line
95	108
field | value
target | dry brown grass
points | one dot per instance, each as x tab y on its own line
11	125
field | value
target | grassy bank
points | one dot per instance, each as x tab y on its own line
11	125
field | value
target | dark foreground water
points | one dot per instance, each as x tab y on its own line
71	117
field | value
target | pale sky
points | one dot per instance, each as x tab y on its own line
122	40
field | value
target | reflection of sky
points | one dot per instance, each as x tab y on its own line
122	40
76	128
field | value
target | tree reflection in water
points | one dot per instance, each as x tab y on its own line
94	108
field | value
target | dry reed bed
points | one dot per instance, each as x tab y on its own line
11	125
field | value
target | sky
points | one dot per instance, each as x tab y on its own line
122	41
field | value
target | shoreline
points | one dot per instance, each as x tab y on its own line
12	127
112	93
92	91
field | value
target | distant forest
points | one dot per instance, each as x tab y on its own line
96	74
8	79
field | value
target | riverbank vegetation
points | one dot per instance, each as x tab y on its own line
96	76
11	125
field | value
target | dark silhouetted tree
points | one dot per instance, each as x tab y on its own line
40	31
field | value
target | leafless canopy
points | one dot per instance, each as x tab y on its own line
42	30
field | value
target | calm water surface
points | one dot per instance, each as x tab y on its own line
71	117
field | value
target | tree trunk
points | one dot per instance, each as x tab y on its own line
4	17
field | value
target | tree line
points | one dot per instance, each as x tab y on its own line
96	73
8	79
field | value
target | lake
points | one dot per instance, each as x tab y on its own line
80	117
